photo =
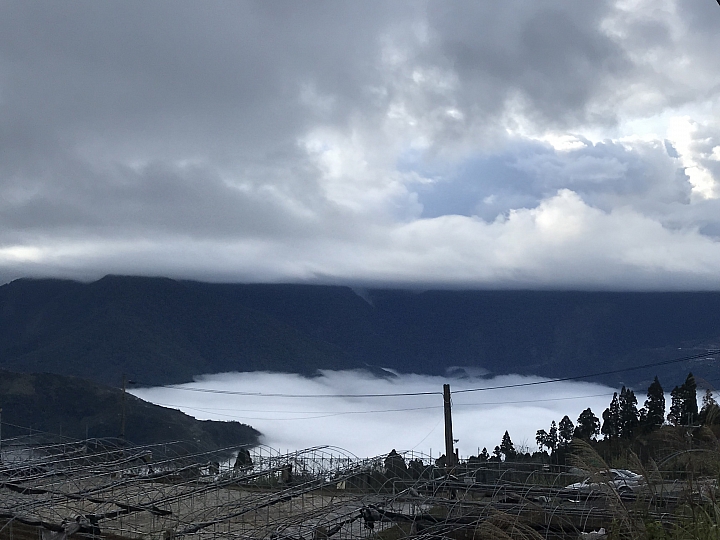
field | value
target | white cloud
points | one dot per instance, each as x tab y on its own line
696	146
563	242
371	426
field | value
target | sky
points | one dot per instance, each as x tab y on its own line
512	144
373	426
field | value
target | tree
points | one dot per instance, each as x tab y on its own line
553	435
416	469
549	440
708	399
243	459
676	406
507	447
566	430
683	408
541	437
654	411
710	412
484	456
588	425
628	413
497	454
611	419
395	465
691	407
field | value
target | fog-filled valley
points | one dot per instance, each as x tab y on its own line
369	426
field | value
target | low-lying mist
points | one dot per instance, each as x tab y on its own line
369	426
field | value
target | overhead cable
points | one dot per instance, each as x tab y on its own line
708	352
588	375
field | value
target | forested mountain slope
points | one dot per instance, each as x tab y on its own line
74	407
159	330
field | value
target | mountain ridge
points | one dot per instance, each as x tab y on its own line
159	330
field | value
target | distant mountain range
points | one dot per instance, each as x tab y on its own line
160	331
62	406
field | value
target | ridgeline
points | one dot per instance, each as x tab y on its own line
162	331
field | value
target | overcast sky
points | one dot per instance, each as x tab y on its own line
516	143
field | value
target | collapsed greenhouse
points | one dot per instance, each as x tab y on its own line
109	489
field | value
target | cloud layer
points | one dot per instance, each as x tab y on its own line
520	144
372	426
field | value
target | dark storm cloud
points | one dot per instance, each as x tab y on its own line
100	102
554	55
177	78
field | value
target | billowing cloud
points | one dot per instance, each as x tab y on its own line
521	144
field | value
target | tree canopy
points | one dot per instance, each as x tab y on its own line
683	408
654	410
507	448
588	425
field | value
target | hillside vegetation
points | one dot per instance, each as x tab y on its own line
163	331
76	408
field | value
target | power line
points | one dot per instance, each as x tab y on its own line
462	391
264	394
213	409
320	414
596	374
475	404
516	402
429	433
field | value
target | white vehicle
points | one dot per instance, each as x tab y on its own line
622	481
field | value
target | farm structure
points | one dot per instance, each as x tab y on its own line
109	489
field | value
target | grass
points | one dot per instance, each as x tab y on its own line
696	517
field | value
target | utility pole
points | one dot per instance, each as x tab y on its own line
449	451
122	421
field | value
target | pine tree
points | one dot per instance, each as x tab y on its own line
710	412
683	408
507	447
484	454
628	413
588	425
611	419
549	440
553	436
541	437
691	407
654	416
676	406
566	430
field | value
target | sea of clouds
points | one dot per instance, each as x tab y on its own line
368	426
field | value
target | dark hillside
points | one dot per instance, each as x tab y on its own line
74	407
160	330
551	333
157	331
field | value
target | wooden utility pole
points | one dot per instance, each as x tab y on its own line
122	421
449	450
